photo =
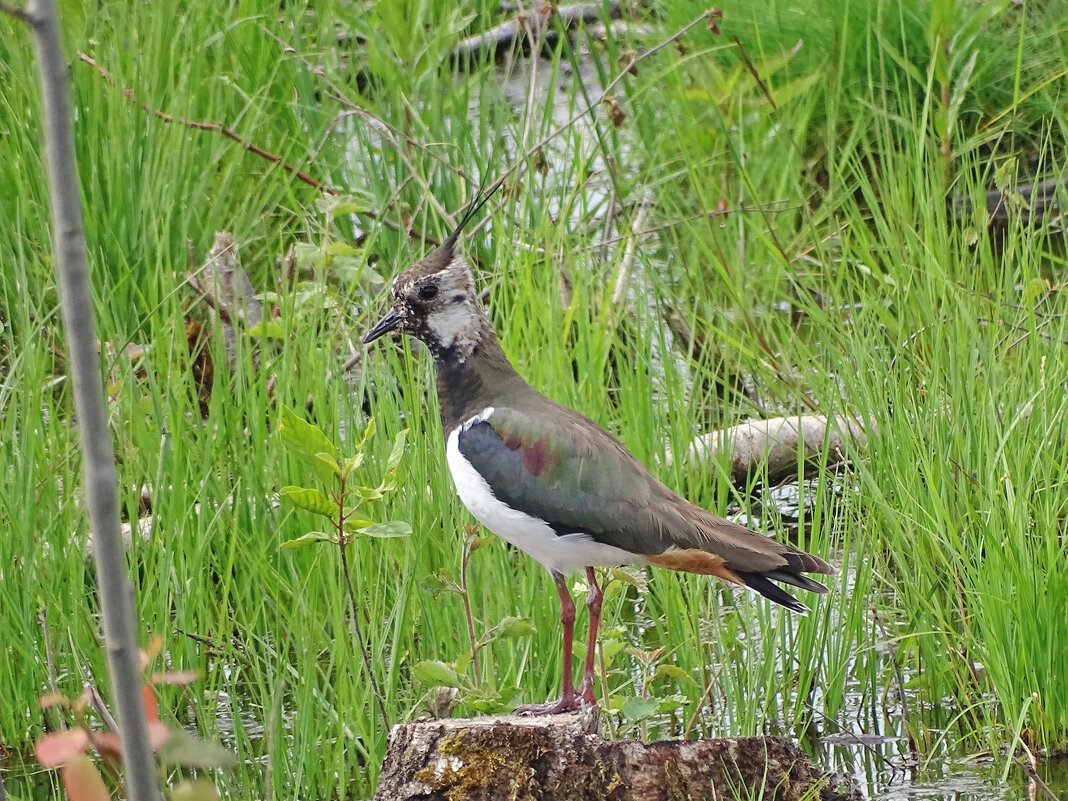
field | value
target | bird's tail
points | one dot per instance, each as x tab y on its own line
790	573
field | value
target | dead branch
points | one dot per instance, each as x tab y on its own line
778	442
99	475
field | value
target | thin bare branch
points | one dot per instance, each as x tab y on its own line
101	486
252	147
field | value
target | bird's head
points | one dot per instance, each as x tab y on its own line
435	302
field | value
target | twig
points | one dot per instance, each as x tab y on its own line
50	656
210	126
636	230
706	696
354	610
1030	766
470	537
756	75
98	705
525	26
247	145
913	750
100	481
710	16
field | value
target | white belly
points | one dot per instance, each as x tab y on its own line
559	553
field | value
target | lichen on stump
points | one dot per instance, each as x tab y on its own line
563	758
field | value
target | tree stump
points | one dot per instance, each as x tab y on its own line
563	758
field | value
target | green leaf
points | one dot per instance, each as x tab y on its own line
302	438
368	432
369	493
610	649
438	583
397	451
311	499
438	673
194	790
329	463
308	256
347	269
668	704
673	672
351	463
462	663
514	627
268	328
342	249
337	205
508	628
182	748
356	525
640	708
630	576
310	539
388	530
313	299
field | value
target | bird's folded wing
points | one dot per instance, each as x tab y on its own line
566	470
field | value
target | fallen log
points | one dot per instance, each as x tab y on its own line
532	24
778	442
559	757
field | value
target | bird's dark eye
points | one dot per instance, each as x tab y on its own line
428	292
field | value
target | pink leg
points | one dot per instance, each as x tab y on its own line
593	603
567	618
569	699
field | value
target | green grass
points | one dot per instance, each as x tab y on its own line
948	339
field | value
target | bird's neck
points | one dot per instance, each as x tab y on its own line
468	383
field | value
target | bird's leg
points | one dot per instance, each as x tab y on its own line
593	603
569	699
567	618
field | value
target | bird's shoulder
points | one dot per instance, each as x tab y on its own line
551	461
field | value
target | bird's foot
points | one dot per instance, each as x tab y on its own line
585	690
568	702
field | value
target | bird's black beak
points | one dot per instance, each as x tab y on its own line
384	326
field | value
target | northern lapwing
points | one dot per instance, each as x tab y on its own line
554	483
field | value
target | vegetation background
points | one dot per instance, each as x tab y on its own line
793	177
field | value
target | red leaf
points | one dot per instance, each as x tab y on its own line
53	699
60	747
151	704
158	734
83	781
179	677
107	741
151	651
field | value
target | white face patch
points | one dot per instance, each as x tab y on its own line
455	326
